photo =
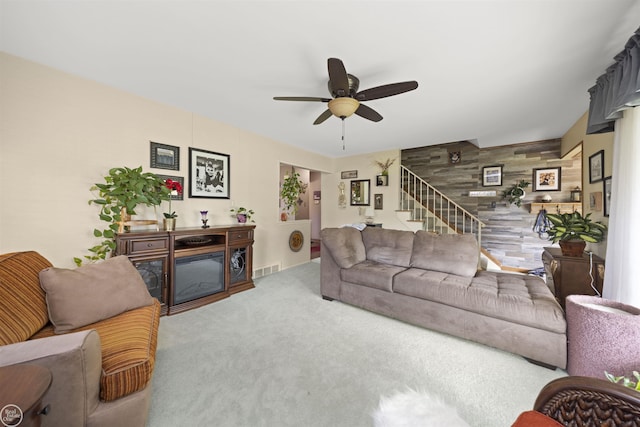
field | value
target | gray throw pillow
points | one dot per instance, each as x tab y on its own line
448	253
93	292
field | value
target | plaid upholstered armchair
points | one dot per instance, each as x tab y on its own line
94	328
585	401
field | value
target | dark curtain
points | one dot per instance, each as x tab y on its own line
617	89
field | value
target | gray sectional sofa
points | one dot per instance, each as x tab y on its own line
433	281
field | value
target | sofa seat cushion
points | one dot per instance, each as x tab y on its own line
388	246
516	298
372	274
23	307
128	343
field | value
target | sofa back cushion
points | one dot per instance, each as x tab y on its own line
449	253
23	308
92	292
388	246
345	245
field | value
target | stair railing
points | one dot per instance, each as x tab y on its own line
435	209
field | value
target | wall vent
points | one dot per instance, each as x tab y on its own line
265	271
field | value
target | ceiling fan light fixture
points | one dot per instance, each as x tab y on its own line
343	107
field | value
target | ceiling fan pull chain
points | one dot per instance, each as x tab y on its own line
343	134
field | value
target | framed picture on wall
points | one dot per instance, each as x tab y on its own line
377	201
596	167
208	174
492	176
606	195
164	156
547	179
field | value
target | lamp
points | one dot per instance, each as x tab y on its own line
369	214
343	107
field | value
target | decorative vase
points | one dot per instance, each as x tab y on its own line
242	218
572	247
283	216
169	224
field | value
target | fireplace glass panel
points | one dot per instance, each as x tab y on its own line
198	276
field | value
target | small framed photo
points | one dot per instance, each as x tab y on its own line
179	196
595	201
547	179
377	201
316	195
606	195
492	176
349	174
596	167
382	180
165	156
208	174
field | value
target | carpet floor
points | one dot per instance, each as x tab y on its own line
280	355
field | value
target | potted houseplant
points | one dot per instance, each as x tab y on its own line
627	382
243	214
572	231
384	166
123	189
292	188
175	189
516	193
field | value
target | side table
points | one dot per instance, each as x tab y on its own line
568	275
21	390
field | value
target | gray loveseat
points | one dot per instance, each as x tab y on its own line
433	281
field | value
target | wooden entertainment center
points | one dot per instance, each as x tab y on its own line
162	258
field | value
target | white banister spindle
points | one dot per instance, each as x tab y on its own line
434	208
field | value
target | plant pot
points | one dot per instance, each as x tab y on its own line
283	216
169	224
242	218
572	247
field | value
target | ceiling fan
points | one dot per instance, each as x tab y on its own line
346	100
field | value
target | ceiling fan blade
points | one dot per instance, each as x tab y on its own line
386	90
301	98
322	117
338	77
368	113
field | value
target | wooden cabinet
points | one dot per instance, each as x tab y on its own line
163	257
568	275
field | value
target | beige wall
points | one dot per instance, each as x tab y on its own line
591	144
60	134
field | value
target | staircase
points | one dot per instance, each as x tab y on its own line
433	211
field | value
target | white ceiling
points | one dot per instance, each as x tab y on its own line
496	72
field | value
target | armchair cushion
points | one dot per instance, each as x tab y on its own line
91	293
128	349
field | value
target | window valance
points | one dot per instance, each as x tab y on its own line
617	89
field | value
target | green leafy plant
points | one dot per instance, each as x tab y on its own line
574	226
123	189
384	166
627	382
292	188
515	194
248	213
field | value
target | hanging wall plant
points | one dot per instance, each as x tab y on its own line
516	193
292	188
122	191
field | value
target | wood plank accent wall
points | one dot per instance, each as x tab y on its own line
508	234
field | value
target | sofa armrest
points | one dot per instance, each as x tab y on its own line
75	362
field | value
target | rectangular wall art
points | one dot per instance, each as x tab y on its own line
208	174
